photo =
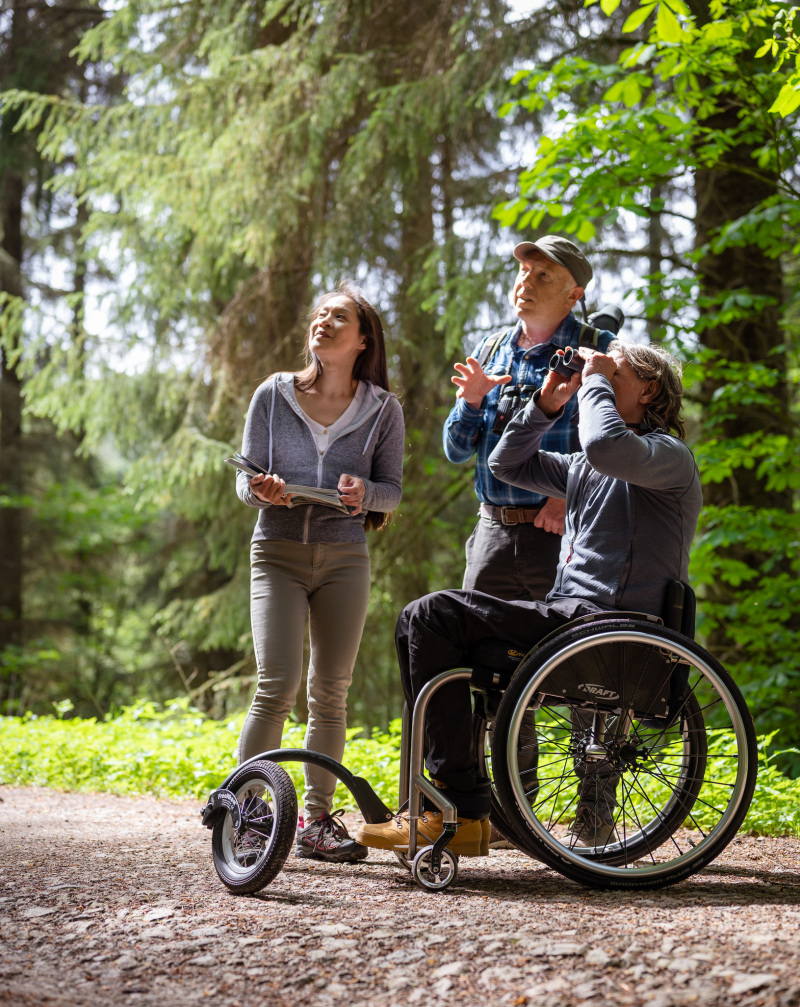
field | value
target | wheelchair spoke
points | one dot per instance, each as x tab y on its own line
551	798
665	778
659	815
639	826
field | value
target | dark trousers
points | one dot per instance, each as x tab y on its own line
435	634
511	561
516	562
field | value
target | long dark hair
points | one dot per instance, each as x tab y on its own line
370	364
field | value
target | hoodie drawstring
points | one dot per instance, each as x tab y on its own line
271	413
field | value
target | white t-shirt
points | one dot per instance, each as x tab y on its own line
323	435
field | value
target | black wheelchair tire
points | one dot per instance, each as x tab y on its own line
251	783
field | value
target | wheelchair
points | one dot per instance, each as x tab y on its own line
617	710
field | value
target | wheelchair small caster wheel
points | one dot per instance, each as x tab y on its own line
402	859
426	878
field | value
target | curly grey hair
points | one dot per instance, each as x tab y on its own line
651	362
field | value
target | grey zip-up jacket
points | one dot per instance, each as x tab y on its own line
632	501
277	435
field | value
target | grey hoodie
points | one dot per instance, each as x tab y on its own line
632	501
277	436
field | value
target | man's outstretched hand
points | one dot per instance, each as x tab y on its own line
474	383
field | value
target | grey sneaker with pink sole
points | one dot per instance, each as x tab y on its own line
327	839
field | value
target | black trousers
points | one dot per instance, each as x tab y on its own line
435	634
511	561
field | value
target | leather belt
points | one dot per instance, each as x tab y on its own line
510	515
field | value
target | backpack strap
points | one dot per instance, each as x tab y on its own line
490	347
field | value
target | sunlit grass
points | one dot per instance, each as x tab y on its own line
175	751
172	751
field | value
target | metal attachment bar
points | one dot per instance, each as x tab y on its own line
595	749
417	755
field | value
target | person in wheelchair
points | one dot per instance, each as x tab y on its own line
633	497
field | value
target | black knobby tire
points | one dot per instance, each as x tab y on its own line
694	798
245	860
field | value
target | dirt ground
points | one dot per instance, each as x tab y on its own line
114	901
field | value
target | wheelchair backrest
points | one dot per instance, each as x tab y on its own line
680	608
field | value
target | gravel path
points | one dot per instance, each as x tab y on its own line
114	901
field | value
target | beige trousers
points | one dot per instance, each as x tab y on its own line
326	584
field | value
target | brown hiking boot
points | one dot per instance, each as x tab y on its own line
467	842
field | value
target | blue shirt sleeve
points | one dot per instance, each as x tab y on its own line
461	431
462	427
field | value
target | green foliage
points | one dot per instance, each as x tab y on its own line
676	137
89	591
649	125
784	48
176	751
169	751
253	154
775	810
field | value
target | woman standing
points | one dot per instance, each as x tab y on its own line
333	425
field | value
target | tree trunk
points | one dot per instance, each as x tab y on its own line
422	359
655	250
11	453
724	193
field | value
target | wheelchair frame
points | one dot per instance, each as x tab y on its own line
434	867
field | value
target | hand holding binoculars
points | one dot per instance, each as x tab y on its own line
566	362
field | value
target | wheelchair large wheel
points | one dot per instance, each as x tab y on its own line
248	857
645	755
691	733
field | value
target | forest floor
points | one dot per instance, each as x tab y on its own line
114	901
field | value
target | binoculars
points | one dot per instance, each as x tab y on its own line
566	362
511	401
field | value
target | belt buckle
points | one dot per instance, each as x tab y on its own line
505	515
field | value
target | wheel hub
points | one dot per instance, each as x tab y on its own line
618	754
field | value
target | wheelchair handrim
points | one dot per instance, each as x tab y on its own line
584	859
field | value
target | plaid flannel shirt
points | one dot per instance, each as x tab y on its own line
468	431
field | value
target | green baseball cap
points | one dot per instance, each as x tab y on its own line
559	250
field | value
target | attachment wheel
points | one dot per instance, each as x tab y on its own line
249	856
425	877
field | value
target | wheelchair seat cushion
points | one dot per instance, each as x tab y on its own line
498	654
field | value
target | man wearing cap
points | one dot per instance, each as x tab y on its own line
513	550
